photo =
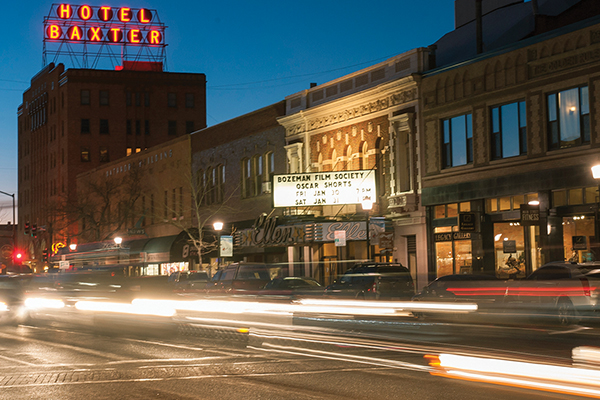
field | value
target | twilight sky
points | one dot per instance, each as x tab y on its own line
253	53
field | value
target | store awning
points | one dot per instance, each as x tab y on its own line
159	249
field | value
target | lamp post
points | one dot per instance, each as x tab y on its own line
218	226
367	205
118	240
13	218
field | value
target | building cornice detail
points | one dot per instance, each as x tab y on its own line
346	110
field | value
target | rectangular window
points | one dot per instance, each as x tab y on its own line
128	127
172	99
174	205
85	97
189	126
85	154
181	201
189	100
138	127
138	99
104	154
152	208
457	145
128	98
146	127
172	128
104	127
166	204
509	130
146	99
104	97
568	118
85	125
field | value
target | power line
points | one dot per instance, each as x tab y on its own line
233	85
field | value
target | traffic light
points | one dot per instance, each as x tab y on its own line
34	230
17	257
45	255
27	228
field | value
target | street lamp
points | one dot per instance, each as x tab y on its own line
13	219
73	246
218	226
118	240
367	205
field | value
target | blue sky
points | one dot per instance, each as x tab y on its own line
253	53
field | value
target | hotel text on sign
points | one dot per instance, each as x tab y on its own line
323	188
103	25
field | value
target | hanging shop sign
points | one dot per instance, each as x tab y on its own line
467	222
530	214
323	188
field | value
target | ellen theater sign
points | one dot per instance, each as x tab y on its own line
323	188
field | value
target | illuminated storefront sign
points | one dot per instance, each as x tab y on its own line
323	188
104	25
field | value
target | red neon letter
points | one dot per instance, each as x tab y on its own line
75	33
53	32
154	37
95	34
134	36
144	15
64	11
125	14
115	35
105	13
85	12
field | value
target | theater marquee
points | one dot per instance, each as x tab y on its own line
323	188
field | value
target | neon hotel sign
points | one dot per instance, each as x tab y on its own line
85	24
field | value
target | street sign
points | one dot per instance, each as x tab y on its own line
340	238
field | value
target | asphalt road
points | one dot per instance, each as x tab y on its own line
374	360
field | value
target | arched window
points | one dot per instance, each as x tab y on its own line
348	160
247	184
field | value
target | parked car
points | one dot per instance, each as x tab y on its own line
241	278
438	289
568	290
374	281
293	286
189	281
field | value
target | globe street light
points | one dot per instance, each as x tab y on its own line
218	226
118	240
367	205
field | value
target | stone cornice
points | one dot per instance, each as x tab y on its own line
346	109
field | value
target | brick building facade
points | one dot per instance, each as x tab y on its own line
74	120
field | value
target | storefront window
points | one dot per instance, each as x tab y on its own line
440	211
452	256
559	198
575	196
505	204
578	231
452	210
465	207
591	195
509	246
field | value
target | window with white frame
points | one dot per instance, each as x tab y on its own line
568	118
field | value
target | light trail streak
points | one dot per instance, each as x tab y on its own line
546	377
